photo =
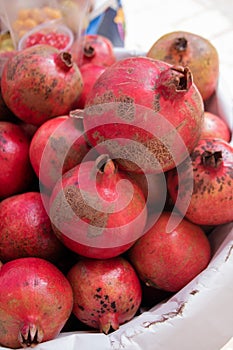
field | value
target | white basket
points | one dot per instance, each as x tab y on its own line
198	317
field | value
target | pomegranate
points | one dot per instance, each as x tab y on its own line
90	73
215	127
93	48
57	146
36	300
170	258
211	177
25	229
192	50
39	83
106	294
16	171
145	113
96	210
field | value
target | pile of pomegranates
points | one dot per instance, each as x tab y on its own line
111	171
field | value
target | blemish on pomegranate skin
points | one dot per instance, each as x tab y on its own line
81	307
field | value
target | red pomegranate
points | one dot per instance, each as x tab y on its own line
145	113
90	73
192	50
106	294
205	186
96	210
25	229
16	173
93	48
215	127
58	145
169	258
39	83
36	300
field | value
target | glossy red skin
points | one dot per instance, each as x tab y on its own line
52	141
103	50
25	229
43	297
211	200
215	127
16	171
74	228
170	260
139	82
37	85
105	294
90	73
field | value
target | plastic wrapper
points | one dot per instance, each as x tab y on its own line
22	16
199	316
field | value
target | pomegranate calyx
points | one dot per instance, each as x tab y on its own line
30	335
212	159
180	44
109	321
175	81
65	60
89	50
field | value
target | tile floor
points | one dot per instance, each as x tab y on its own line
147	20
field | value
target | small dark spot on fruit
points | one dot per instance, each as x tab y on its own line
98	289
80	307
132	306
97	296
106	297
113	305
36	282
59	307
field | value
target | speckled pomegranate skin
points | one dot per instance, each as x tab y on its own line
106	293
211	200
140	103
39	83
